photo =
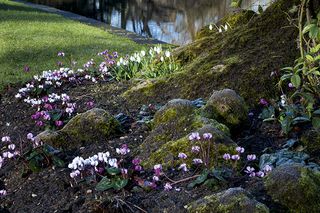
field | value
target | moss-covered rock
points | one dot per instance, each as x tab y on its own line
295	187
311	139
246	55
88	127
173	121
227	107
167	154
233	200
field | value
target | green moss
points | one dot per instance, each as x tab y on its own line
295	187
248	52
167	153
89	127
231	200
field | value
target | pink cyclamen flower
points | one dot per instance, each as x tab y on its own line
3	193
260	174
240	149
207	136
123	150
124	171
155	178
250	170
263	102
195	149
11	146
90	104
183	167
74	173
182	155
1	161
5	139
137	168
26	68
235	157
136	161
157	169
58	123
167	187
226	156
197	161
290	85
251	157
29	136
267	169
194	136
61	54
39	123
48	106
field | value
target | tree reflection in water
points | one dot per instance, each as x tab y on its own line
172	21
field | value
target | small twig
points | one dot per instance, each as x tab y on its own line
185	179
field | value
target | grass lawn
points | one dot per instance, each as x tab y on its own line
32	37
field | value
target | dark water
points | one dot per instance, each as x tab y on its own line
171	21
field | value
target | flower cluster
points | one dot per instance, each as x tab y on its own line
157	62
202	147
9	150
248	169
99	163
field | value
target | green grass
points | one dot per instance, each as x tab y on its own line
32	37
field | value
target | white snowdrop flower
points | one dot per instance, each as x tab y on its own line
162	59
168	54
40	86
138	59
220	30
142	53
132	58
210	27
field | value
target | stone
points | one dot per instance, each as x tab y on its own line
175	121
227	107
88	127
233	200
311	140
167	153
294	186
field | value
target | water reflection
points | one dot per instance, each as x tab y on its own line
172	21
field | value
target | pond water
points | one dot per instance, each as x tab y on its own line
171	21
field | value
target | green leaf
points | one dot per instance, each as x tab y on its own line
260	9
307	28
34	165
314	31
316	112
119	184
296	81
300	120
269	119
104	184
113	171
316	122
309	58
33	154
57	161
203	177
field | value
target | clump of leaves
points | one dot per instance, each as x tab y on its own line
300	84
